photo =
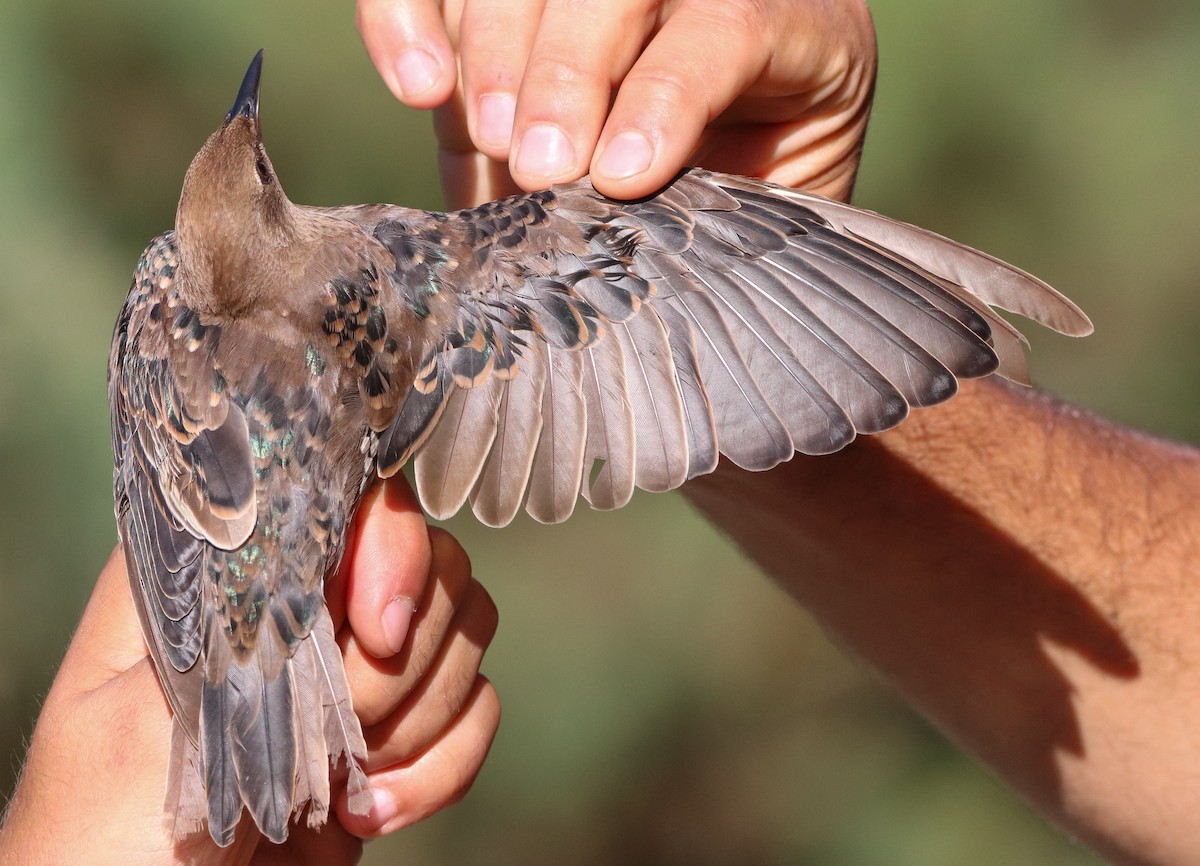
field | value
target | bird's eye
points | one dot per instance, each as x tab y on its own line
264	173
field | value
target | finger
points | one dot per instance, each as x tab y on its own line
386	576
452	12
407	42
495	39
105	725
440	777
468	176
443	691
703	58
581	51
329	845
794	154
470	179
379	685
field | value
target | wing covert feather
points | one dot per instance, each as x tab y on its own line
721	316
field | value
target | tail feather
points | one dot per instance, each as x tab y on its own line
343	734
186	806
220	774
269	730
264	737
312	750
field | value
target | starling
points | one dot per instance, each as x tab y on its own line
272	360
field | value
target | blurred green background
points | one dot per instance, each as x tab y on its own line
663	702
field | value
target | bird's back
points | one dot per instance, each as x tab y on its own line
242	451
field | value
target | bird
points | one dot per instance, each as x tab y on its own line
273	360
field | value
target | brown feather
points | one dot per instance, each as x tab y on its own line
449	463
660	434
272	360
608	463
501	488
558	461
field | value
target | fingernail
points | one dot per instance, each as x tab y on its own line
544	152
383	807
416	71
496	112
397	617
627	154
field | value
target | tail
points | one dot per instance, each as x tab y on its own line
269	730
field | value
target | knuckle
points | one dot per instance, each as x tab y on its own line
462	787
666	93
560	69
484	613
450	560
490	30
578	10
740	16
421	656
489	700
369	714
669	85
457	690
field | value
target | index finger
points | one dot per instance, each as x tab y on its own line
408	43
108	641
386	567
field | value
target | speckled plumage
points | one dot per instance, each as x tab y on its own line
271	360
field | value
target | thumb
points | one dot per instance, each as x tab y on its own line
108	641
104	728
107	718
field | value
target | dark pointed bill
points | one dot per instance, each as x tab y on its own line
246	103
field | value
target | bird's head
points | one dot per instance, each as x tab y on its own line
233	214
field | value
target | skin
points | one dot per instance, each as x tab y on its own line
1027	581
428	716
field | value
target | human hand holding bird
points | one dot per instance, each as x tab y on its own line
92	787
533	93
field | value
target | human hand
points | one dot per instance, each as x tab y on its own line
630	92
93	783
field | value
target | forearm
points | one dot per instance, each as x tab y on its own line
1021	572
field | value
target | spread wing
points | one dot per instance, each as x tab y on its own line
590	345
184	474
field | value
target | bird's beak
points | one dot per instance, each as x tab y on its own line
246	104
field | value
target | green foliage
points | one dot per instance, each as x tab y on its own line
663	702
